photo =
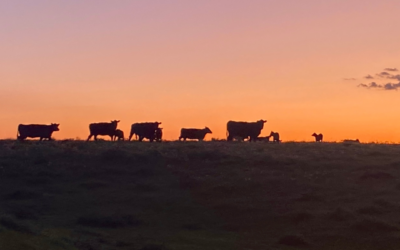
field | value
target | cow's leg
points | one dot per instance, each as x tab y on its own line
90	136
184	139
41	138
130	137
111	137
230	138
180	137
140	138
95	137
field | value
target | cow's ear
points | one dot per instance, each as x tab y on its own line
118	121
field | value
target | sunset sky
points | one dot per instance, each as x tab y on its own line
297	64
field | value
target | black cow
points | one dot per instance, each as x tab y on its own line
244	129
318	137
36	130
194	133
102	128
275	136
158	134
118	135
144	130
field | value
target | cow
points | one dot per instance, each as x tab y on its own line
36	130
158	135
266	138
118	135
194	133
144	130
244	129
275	136
318	137
103	128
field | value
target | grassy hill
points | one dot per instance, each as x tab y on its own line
211	195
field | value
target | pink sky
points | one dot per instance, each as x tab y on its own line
200	63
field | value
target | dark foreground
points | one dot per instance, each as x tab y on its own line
211	195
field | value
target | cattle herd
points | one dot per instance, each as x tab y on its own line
151	131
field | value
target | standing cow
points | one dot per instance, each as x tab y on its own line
36	130
194	133
118	135
244	129
144	130
102	128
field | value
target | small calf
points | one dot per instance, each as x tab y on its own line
275	136
318	137
118	135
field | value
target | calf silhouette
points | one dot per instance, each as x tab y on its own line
275	136
118	135
318	137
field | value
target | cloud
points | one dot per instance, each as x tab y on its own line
383	74
374	85
369	77
394	77
349	79
391	69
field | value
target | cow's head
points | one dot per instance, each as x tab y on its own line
261	123
158	123
115	121
314	134
54	127
207	130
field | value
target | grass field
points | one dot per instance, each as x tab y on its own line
211	195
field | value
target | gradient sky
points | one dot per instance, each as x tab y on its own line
201	63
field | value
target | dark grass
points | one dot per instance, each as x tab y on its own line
209	195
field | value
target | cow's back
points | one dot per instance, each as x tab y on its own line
102	128
34	130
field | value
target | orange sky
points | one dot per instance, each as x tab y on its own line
200	64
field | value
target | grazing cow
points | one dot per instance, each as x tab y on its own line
194	133
351	141
144	130
266	138
36	130
275	136
158	135
118	135
318	137
102	128
244	129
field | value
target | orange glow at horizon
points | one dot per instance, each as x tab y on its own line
191	65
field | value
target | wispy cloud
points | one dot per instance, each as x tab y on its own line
369	77
380	78
374	85
383	74
349	79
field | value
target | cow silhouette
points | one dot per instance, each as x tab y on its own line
102	128
194	133
144	130
244	129
318	137
36	130
118	135
275	136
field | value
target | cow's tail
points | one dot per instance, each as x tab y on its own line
18	134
